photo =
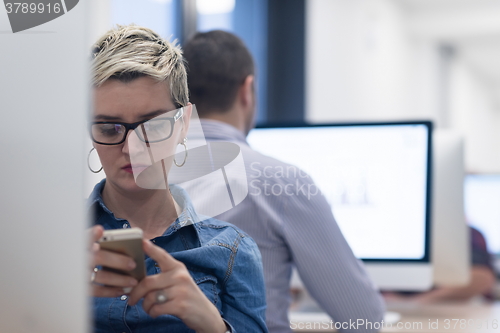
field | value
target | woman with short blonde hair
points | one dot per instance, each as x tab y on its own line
203	275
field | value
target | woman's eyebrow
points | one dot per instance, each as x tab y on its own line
144	116
155	113
104	117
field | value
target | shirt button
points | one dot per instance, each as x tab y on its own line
124	297
125	225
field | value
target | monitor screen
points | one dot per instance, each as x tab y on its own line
374	176
482	208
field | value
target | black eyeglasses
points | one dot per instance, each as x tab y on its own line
152	130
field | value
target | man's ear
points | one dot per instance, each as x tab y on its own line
247	91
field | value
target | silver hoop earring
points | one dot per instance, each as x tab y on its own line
185	154
88	162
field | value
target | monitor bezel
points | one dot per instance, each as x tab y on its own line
428	209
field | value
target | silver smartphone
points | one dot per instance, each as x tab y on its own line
127	242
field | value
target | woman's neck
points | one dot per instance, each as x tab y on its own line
151	210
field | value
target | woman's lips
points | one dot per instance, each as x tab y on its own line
137	169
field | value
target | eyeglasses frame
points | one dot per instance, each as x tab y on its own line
133	126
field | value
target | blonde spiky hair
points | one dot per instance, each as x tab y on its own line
131	51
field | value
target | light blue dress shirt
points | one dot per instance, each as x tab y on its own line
293	227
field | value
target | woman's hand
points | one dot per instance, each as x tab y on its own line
183	298
106	283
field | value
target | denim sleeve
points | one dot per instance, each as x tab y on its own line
244	299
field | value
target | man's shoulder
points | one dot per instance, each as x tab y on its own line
262	166
253	154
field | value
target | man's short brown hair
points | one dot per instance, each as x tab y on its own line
218	62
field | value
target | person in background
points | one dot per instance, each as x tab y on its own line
203	275
482	279
295	228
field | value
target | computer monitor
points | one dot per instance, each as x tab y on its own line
450	233
377	178
482	209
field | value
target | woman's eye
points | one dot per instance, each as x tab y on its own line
111	130
153	125
108	132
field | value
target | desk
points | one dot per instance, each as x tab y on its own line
472	318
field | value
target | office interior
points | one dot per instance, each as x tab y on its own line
318	62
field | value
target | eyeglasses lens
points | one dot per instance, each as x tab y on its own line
154	130
108	133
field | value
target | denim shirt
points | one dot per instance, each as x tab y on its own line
224	262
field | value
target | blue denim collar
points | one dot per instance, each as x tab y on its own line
188	215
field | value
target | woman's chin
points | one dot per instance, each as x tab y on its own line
126	182
150	178
140	184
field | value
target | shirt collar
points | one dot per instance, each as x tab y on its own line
187	216
218	130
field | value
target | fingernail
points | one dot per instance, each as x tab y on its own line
131	264
127	290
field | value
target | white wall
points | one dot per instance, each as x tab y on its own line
100	20
362	64
378	60
474	113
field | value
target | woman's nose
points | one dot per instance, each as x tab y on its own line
132	144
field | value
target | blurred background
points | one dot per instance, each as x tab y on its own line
360	60
318	61
343	60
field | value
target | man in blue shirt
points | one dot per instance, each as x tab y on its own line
293	228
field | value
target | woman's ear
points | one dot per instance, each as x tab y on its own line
186	117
